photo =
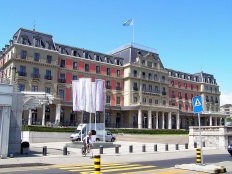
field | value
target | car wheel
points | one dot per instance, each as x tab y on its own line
230	154
97	139
78	139
112	139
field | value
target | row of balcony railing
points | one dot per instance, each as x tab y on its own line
34	59
34	75
148	78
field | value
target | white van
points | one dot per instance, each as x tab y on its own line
108	136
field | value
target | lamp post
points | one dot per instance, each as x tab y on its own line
14	68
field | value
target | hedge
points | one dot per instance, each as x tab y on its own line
115	131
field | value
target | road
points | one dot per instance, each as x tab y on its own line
140	163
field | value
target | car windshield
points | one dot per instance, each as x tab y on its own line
77	131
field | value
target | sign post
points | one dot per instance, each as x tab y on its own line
197	108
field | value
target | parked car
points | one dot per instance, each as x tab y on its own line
108	136
230	149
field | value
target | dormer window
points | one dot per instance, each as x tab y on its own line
117	62
108	60
50	47
37	42
86	55
143	62
62	50
97	58
24	41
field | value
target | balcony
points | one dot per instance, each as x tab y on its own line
207	100
22	73
186	98
62	65
212	101
48	77
118	88
164	93
180	97
108	87
135	88
62	80
173	96
151	91
35	76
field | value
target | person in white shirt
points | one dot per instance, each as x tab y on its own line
88	140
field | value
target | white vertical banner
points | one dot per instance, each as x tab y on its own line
93	97
88	95
75	91
82	94
99	94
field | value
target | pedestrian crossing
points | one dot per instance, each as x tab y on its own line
124	168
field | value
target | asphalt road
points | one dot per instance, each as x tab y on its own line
170	139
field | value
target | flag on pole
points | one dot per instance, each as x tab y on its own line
128	23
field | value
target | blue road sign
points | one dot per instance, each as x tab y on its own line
197	104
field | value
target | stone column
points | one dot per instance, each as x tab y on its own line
177	120
58	106
4	131
169	120
162	120
149	120
139	118
43	115
157	120
215	121
29	117
210	120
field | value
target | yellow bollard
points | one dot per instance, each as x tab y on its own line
198	155
97	164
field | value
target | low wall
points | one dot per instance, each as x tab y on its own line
44	137
213	136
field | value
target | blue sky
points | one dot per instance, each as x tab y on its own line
189	36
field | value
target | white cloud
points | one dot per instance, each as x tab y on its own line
226	98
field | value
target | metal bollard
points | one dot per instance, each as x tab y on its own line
97	164
198	155
186	145
166	147
101	149
195	144
144	148
155	147
131	148
116	148
203	144
177	146
65	151
44	150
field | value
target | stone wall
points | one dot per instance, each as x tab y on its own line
43	137
213	136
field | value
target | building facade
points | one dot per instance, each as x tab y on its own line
140	91
227	109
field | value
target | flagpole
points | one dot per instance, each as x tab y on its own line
133	32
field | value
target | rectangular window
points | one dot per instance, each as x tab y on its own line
118	73
48	72
135	99
34	88
164	102
156	102
197	88
180	106
62	63
75	65
61	94
36	57
108	71
144	86
191	86
49	59
21	87
47	90
22	71
97	58
35	73
87	67
98	70
23	54
74	77
179	85
108	99
24	41
118	100
108	86
149	64
50	47
186	107
144	100
150	101
37	42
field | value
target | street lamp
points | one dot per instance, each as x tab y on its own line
14	68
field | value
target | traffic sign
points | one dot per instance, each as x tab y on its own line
197	104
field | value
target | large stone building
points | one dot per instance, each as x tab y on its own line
140	91
227	109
